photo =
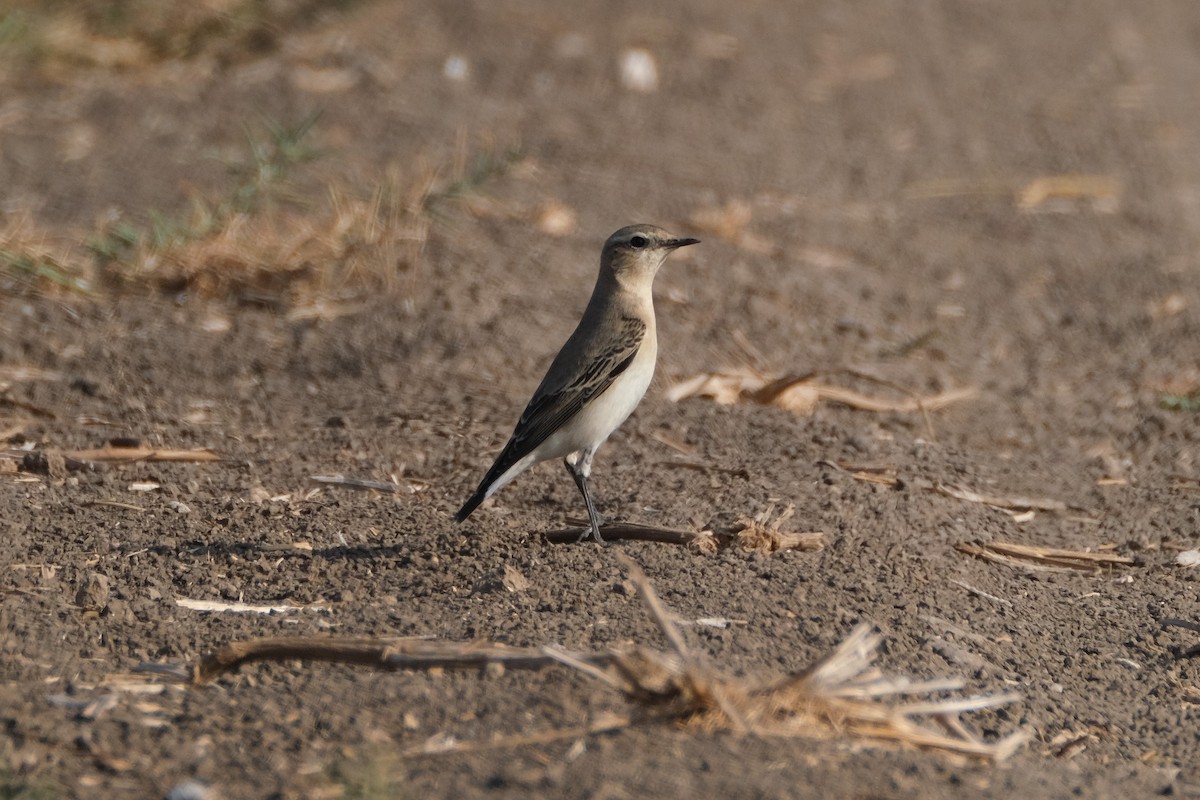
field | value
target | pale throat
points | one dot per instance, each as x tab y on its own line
637	284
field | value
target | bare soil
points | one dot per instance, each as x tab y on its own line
1003	196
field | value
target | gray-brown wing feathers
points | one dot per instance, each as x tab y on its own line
551	407
557	401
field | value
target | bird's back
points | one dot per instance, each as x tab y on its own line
612	322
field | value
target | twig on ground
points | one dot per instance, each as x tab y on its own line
57	463
1047	559
1010	504
692	678
219	606
883	474
1069	744
37	411
391	487
18	373
654	605
126	454
390	654
761	533
982	593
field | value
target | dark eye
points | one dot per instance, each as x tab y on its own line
638	242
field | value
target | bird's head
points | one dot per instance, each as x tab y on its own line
633	254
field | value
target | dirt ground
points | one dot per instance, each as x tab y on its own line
1002	196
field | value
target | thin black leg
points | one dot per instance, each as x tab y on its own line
577	472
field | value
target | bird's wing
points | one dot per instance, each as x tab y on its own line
552	406
555	402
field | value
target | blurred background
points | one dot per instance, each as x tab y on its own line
881	135
882	178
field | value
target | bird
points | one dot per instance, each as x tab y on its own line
598	377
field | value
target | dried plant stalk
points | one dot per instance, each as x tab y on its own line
122	454
392	654
1047	559
761	533
841	695
802	393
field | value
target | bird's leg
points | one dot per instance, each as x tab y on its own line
580	468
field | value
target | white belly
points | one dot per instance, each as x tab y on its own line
596	421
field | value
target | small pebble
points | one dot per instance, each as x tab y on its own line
456	68
93	592
191	790
639	71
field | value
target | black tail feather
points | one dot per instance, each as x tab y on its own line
470	505
508	456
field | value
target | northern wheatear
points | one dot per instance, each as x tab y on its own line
598	377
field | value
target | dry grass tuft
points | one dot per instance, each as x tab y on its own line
286	259
257	245
801	394
31	257
842	695
763	533
58	37
278	258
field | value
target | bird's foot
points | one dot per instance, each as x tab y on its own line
594	530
